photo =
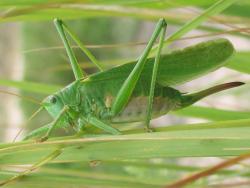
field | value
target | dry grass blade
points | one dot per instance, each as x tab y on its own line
190	179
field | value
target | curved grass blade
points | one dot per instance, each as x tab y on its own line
224	138
194	23
31	86
212	113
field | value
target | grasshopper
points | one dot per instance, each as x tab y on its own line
133	92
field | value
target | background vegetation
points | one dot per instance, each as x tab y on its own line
199	137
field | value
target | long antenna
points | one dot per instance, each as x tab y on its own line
28	120
30	99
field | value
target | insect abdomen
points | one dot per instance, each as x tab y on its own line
136	109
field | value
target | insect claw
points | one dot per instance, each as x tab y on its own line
57	20
44	138
164	23
149	130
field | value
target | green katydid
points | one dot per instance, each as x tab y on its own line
135	91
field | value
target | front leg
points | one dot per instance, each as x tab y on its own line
38	132
54	124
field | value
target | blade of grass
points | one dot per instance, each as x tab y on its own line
211	113
213	10
225	138
32	168
194	177
31	86
71	9
125	171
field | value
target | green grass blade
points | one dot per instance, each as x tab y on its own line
133	173
194	23
30	86
134	3
224	138
212	113
41	10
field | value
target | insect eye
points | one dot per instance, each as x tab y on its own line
53	100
